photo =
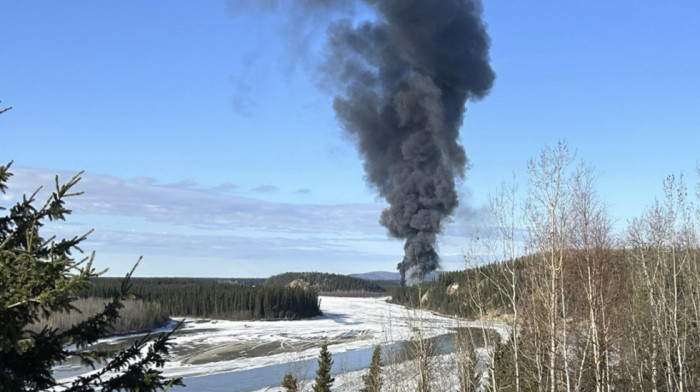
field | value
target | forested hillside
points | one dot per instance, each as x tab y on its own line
324	283
464	293
210	298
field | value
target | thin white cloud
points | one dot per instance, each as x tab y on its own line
185	184
141	216
265	189
226	187
144	217
180	203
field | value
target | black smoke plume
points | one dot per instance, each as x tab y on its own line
405	78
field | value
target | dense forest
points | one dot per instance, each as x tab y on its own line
215	298
326	283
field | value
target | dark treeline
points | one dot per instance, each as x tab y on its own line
325	283
388	285
285	296
211	298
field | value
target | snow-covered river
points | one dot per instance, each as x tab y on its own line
216	355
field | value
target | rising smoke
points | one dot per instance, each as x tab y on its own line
405	78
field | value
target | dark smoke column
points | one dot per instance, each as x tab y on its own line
405	79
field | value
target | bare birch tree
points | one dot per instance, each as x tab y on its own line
598	274
548	224
663	244
504	248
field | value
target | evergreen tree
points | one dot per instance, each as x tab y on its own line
504	370
289	383
373	380
209	298
39	276
323	380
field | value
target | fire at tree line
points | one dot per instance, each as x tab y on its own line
591	311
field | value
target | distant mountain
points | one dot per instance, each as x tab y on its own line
386	275
378	275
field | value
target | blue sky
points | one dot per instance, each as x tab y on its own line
210	145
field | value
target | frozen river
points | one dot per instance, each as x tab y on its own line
217	355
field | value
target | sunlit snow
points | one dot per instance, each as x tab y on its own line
218	355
